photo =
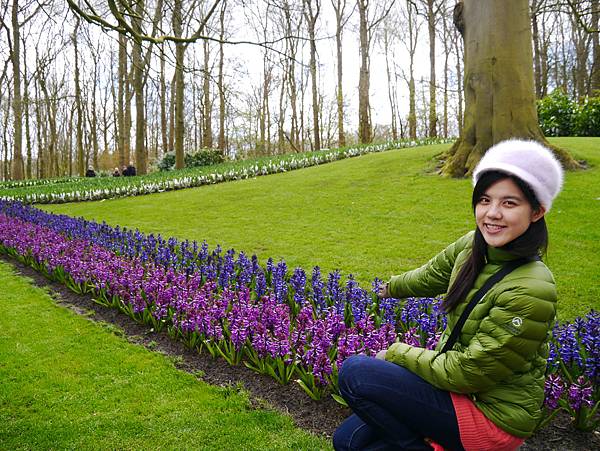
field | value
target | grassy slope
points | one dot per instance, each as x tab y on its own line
68	383
371	216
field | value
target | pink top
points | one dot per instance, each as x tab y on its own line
477	432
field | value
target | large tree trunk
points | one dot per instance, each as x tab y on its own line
499	89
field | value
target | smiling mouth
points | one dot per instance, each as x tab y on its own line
493	227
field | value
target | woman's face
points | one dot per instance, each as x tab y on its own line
503	213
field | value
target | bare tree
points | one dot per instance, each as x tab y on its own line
410	40
311	14
221	84
367	24
387	38
179	84
17	164
595	77
339	7
78	103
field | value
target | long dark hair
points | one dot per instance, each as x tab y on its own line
533	242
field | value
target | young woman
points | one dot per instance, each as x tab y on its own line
486	391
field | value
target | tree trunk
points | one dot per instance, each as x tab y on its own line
364	118
179	85
172	117
339	7
221	87
499	90
78	102
432	80
17	162
163	107
94	118
595	81
391	96
413	32
138	87
26	106
282	108
292	46
537	57
311	16
581	40
207	134
459	84
5	157
123	96
42	161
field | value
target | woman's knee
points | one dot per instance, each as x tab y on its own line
353	369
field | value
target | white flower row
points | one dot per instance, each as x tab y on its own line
139	185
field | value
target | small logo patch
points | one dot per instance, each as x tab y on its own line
517	322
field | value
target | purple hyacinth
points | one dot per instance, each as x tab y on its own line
260	284
580	394
279	283
554	388
334	291
317	290
298	283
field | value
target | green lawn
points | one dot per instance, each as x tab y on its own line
371	216
69	383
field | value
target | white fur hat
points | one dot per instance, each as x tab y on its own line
530	161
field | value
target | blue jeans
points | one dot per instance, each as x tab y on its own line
393	409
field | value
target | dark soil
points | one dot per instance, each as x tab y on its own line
320	417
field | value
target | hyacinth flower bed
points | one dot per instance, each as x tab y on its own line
62	190
295	327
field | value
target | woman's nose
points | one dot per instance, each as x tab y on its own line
494	211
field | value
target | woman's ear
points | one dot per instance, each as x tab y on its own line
538	214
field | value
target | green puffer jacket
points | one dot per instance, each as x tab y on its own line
500	356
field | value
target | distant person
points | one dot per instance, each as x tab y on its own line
131	169
90	172
124	171
116	173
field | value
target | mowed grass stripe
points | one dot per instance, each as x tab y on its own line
372	216
69	383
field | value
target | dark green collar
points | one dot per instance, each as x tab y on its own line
499	256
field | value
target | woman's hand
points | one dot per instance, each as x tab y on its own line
384	291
